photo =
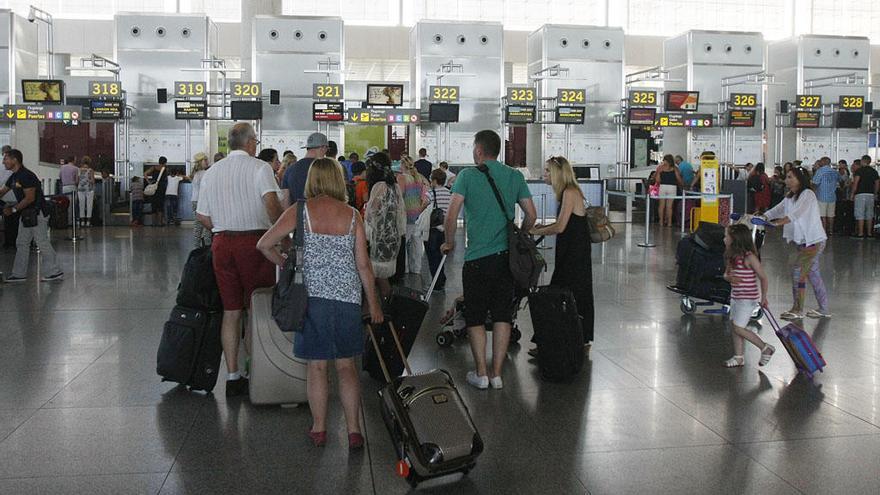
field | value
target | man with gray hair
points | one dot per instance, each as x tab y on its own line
294	179
238	201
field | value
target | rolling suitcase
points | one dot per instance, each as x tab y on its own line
430	425
190	350
276	376
407	309
558	332
800	347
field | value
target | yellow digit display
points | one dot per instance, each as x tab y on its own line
809	101
643	98
747	100
852	102
520	95
443	93
571	96
189	88
247	90
105	88
327	91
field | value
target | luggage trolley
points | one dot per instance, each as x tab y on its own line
452	325
715	291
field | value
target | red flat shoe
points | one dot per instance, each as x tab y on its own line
355	441
319	438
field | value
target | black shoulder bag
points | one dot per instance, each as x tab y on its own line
437	216
525	262
289	297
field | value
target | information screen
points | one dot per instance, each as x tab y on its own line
385	94
190	109
247	110
107	109
852	102
807	120
641	116
682	120
443	112
741	118
809	101
848	120
682	101
642	98
328	111
744	100
569	115
519	114
42	90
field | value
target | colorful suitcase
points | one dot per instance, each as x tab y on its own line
800	347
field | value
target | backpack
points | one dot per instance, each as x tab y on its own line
384	234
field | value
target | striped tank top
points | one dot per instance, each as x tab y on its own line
747	288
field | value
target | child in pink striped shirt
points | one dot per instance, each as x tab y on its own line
744	271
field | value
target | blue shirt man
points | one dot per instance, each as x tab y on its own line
826	179
686	170
294	179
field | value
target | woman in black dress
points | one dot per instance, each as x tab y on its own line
573	263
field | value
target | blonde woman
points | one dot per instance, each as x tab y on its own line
415	199
201	235
572	266
337	268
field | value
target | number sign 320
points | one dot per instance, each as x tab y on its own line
247	90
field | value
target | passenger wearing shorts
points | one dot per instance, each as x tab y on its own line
743	271
669	179
865	188
826	179
238	201
488	284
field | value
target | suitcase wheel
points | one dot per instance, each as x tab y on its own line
459	332
445	338
687	306
758	313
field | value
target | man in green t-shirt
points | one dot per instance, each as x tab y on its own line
488	285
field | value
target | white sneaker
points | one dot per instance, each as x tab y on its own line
480	382
497	383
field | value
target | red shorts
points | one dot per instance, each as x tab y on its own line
240	268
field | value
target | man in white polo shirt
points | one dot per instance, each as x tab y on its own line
238	201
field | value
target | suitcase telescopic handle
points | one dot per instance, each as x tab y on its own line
397	345
436	276
773	322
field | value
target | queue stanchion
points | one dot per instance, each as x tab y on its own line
543	244
683	206
647	243
73	204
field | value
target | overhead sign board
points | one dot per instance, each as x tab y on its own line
190	109
105	89
520	96
444	94
107	109
570	96
642	98
45	113
684	120
570	115
327	92
852	102
190	89
744	100
384	116
809	101
246	89
519	114
328	111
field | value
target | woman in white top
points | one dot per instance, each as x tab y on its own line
201	235
798	213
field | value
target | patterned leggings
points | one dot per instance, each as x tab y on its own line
805	264
201	235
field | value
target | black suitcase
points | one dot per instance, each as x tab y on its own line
558	332
198	287
430	426
844	217
190	350
700	272
710	236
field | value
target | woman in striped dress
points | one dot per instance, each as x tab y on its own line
744	271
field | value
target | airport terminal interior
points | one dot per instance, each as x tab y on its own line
695	131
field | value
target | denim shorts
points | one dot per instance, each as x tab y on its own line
332	330
864	206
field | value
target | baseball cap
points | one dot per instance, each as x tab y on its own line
315	140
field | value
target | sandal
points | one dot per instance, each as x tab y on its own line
818	313
735	362
791	315
766	354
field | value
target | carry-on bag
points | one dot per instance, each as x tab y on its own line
558	332
190	350
710	236
799	345
407	309
198	287
430	425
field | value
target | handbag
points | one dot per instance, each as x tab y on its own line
654	190
437	215
524	261
290	297
29	216
153	188
600	228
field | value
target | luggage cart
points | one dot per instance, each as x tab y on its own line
452	324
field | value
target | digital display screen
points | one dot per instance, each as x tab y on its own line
852	102
190	109
385	94
247	110
741	118
642	98
807	119
682	101
519	114
641	116
42	90
570	115
809	101
682	120
329	111
107	109
744	100
443	112
246	89
848	120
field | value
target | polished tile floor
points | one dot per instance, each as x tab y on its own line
82	410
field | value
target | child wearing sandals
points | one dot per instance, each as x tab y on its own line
743	272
